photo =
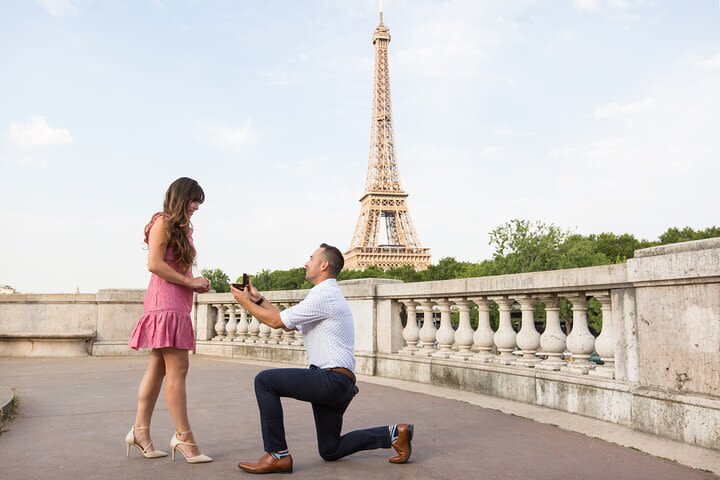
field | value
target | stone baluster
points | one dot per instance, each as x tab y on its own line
297	335
528	338
411	332
287	337
445	335
242	327
505	336
253	330
220	323
264	333
605	343
483	340
552	341
232	325
464	332
275	336
428	330
580	342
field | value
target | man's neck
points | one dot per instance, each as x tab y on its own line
319	280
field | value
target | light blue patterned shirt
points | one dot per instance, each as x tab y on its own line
325	321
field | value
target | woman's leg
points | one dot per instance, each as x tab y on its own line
176	365
148	393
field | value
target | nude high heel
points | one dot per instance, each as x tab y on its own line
175	443
130	441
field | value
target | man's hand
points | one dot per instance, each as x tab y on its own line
242	296
255	295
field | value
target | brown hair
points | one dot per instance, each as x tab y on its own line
334	258
179	195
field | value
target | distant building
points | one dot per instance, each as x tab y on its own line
6	289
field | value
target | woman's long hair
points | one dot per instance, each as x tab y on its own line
178	197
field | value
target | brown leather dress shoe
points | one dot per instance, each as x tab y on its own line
268	464
403	443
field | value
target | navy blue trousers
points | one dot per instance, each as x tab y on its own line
330	393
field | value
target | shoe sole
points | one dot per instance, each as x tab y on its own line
411	430
289	470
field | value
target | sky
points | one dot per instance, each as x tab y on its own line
593	115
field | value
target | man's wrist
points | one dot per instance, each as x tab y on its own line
260	301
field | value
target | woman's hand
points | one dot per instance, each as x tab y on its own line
199	285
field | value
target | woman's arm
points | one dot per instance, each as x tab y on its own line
157	244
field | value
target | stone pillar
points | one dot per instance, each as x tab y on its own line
552	341
253	330
445	335
242	327
580	342
606	342
411	332
264	333
483	338
428	330
505	335
528	338
220	324
275	336
232	325
287	337
464	332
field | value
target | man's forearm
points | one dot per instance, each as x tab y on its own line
267	313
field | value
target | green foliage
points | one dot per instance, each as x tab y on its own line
675	235
218	279
292	279
520	246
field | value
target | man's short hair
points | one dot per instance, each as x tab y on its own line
334	258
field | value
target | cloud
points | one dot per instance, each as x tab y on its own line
586	5
444	35
592	5
59	8
37	133
512	133
614	110
708	63
230	139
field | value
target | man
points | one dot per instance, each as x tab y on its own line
328	384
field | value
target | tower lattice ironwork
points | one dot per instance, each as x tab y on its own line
384	214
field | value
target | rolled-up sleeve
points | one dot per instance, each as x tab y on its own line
309	310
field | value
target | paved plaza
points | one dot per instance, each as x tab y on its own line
74	414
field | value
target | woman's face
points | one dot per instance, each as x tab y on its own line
192	207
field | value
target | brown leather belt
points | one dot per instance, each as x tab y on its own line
343	371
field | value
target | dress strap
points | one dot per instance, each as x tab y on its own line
150	224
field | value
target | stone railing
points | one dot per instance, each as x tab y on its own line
654	366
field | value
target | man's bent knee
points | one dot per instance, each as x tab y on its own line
329	455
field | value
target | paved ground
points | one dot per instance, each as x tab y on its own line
74	414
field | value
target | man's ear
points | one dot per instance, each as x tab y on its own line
324	265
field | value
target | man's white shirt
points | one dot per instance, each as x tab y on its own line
325	321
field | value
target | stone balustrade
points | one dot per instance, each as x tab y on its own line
654	365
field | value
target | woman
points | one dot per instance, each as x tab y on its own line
165	326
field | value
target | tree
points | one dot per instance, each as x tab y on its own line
218	279
675	235
525	246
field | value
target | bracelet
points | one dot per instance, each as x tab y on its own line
259	302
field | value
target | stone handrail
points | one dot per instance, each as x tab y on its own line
655	365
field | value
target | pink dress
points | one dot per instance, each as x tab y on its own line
166	314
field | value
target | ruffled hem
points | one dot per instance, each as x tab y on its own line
163	329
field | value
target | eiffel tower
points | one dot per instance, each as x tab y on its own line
384	215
